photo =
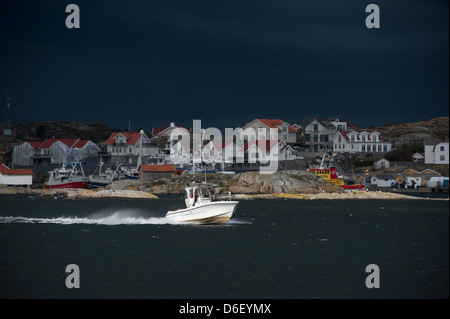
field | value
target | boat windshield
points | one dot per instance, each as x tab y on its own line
204	191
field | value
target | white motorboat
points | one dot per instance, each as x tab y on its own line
201	209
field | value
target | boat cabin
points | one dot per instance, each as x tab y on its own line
196	194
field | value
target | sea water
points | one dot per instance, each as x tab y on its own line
270	249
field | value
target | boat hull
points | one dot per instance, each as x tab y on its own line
213	213
98	184
353	187
77	184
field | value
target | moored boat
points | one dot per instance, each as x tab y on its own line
67	178
101	178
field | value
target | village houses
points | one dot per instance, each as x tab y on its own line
359	141
54	151
319	133
285	132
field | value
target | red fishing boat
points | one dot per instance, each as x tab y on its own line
67	177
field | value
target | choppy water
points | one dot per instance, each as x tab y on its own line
270	249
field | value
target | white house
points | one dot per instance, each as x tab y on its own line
165	132
286	133
418	157
320	131
222	152
359	141
436	152
124	147
383	180
261	151
15	177
381	163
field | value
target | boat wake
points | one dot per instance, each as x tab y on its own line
117	218
121	217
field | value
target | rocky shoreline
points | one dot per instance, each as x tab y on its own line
71	193
251	185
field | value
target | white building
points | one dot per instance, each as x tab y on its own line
383	180
55	151
124	147
286	133
320	132
15	177
381	163
436	152
418	157
359	141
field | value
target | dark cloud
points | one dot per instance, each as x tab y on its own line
226	62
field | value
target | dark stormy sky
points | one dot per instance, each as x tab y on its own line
224	62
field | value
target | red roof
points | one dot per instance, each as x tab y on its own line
5	170
157	130
274	123
158	168
70	142
80	144
132	137
35	144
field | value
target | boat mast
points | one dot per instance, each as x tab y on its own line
139	161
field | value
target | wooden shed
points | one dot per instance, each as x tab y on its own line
156	171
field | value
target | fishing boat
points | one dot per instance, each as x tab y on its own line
201	209
129	172
65	177
330	175
101	178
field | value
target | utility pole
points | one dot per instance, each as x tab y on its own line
7	130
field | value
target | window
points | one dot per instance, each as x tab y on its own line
316	138
352	138
363	148
307	137
379	148
316	127
368	148
363	138
442	148
442	157
339	139
384	148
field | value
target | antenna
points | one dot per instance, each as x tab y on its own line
7	130
8	105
